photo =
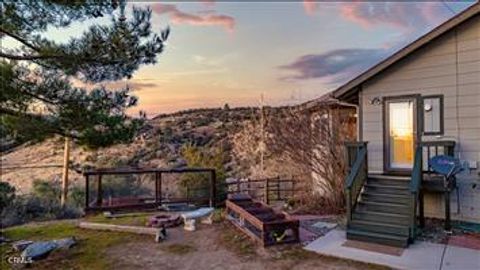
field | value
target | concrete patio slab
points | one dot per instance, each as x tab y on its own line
457	258
421	255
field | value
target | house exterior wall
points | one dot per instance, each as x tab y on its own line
448	66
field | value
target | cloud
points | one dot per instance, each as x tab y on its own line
179	17
133	85
334	66
310	6
208	3
408	16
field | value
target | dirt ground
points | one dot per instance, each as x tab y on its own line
218	246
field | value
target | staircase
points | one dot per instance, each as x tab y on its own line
382	213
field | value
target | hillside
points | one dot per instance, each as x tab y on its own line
157	145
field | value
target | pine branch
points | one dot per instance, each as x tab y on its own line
30	57
22	40
38	117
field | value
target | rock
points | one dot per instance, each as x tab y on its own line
66	243
39	250
21	244
4	240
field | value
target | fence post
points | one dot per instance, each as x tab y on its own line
265	195
213	188
156	187
293	187
278	188
99	190
87	191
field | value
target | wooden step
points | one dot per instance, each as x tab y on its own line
380	227
392	218
379	238
387	189
388	182
385	197
390	177
384	207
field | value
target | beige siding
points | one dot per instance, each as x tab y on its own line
450	66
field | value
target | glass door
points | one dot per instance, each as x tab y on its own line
400	131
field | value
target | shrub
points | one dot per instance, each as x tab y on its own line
200	183
42	204
7	195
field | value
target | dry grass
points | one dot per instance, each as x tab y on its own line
235	241
87	254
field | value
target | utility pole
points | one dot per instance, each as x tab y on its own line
262	135
66	161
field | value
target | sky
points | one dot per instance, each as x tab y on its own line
289	51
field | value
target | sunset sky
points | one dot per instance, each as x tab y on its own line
228	52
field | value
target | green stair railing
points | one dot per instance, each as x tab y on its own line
357	175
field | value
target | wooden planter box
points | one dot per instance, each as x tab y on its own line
261	223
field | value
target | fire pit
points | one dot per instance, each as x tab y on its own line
164	221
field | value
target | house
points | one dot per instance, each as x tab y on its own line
422	101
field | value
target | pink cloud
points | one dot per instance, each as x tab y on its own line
208	3
407	16
179	17
310	6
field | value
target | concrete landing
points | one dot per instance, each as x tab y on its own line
420	255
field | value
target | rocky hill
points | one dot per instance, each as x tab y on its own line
157	145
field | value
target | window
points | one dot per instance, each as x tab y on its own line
433	115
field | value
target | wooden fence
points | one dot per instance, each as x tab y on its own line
267	189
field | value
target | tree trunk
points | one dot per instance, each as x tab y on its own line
66	159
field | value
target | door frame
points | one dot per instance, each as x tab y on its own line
416	131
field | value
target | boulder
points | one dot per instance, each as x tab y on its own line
21	244
65	243
39	250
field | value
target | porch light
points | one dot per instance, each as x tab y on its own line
376	101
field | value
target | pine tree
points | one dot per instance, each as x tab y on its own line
38	97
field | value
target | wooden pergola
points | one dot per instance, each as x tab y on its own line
97	174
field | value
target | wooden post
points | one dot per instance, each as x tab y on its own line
99	190
448	225
265	195
293	187
278	188
366	160
66	159
160	186
157	188
213	188
87	192
349	206
421	209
